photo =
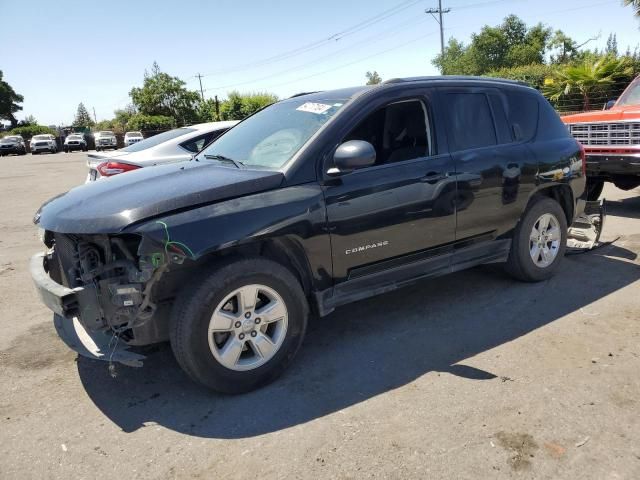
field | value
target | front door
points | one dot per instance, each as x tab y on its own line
399	208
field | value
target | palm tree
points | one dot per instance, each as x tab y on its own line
635	4
587	78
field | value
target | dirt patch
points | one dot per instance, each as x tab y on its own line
38	348
521	447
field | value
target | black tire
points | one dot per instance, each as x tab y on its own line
34	153
594	189
195	304
520	265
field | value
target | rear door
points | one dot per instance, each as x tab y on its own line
402	206
495	167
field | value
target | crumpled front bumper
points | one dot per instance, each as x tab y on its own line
66	305
584	233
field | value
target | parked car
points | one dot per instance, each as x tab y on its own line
611	139
43	143
75	141
313	202
105	139
175	145
132	137
12	144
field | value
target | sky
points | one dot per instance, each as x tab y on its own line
58	54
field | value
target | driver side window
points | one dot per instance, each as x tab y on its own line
399	131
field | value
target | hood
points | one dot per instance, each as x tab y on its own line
112	204
615	114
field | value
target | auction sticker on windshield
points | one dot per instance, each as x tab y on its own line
314	107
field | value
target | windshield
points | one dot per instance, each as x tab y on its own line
134	134
105	134
75	137
11	139
157	139
41	137
631	95
271	137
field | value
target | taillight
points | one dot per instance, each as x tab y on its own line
108	169
583	157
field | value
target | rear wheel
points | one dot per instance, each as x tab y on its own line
239	327
539	241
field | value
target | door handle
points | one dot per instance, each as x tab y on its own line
433	177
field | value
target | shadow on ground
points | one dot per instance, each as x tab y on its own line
626	207
364	350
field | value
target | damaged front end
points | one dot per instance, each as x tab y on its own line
585	231
102	289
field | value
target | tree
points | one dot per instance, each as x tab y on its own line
82	119
239	106
373	78
9	102
29	120
563	47
510	44
123	115
587	78
635	4
162	94
140	121
612	45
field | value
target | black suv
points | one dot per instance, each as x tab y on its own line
311	203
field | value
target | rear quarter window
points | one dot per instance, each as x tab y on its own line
550	127
523	115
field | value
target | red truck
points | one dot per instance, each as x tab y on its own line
611	139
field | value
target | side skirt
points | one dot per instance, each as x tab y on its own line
383	281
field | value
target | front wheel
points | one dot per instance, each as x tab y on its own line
239	327
539	241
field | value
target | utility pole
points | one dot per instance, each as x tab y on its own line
438	19
201	90
94	114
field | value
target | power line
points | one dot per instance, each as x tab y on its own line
370	39
318	43
355	61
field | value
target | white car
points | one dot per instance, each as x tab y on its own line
105	139
174	145
132	137
74	141
43	143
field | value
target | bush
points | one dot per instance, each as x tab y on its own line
239	106
140	121
29	131
533	74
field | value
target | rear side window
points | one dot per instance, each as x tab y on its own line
470	121
550	126
523	115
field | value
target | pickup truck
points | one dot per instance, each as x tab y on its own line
611	139
311	203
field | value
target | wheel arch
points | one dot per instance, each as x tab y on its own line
561	193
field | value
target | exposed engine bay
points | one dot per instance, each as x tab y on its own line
115	301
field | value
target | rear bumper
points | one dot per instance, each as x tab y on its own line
66	303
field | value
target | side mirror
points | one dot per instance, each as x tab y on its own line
352	155
609	104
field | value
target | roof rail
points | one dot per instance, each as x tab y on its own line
455	78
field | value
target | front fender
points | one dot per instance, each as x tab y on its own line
294	213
